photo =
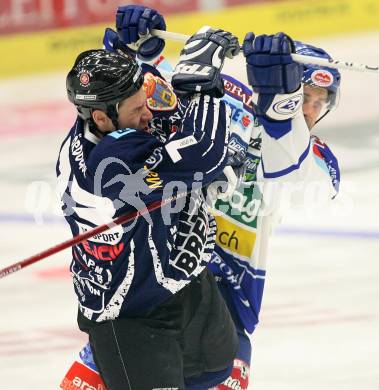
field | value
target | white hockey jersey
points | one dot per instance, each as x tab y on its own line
283	160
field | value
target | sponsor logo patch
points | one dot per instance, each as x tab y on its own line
137	75
78	154
238	92
152	179
322	78
111	237
165	388
234	238
86	97
289	105
103	252
246	120
235	145
238	379
81	377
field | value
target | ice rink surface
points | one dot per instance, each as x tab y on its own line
320	316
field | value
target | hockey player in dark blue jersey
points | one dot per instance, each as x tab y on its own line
149	304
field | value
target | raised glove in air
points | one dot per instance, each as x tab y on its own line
273	75
201	61
134	23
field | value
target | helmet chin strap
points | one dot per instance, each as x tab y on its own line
112	112
323	116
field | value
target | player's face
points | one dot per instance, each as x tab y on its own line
314	105
133	112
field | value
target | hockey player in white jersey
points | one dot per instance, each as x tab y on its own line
283	155
272	127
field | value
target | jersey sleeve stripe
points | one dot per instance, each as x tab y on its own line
286	171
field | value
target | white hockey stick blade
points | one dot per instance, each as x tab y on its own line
336	64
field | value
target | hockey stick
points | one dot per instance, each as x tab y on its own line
336	64
86	235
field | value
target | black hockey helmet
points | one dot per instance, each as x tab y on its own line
100	79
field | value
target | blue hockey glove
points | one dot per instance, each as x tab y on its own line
113	43
201	61
273	75
133	23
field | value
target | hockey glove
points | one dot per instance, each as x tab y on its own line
113	43
273	75
231	177
133	23
201	61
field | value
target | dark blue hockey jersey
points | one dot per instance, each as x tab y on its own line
132	268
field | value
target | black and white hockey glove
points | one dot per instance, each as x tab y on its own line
231	178
201	61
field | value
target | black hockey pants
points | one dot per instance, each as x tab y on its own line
190	333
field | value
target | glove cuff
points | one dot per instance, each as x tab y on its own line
150	49
281	107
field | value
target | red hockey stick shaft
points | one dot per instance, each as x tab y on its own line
85	236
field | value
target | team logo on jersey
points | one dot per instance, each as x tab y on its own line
322	78
160	95
84	79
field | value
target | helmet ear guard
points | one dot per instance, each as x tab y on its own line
99	80
320	76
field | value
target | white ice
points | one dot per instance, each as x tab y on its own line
320	315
